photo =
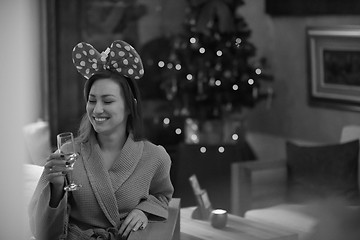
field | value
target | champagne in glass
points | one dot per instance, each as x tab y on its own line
66	146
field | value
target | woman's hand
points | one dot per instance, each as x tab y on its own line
55	170
136	220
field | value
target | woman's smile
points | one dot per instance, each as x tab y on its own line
100	119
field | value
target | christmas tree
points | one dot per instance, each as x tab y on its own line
208	70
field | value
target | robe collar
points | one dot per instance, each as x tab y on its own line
105	183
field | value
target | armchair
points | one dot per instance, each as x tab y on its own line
259	190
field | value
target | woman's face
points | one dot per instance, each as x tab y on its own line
106	108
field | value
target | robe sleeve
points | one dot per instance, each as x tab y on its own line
161	189
47	222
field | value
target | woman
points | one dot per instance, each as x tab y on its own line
125	179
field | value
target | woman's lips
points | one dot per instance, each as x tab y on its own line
100	119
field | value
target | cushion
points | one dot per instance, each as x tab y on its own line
291	217
320	172
37	140
31	174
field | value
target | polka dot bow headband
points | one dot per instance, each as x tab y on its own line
120	57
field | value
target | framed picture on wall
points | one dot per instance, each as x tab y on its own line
334	66
311	7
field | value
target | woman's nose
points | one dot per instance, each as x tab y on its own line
98	108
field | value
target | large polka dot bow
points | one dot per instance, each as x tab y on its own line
120	57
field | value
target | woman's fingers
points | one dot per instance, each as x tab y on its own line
133	226
55	168
56	162
143	225
137	226
134	221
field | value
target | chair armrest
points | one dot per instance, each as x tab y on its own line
167	230
257	184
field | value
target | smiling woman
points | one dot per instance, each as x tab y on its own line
113	158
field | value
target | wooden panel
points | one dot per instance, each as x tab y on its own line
312	7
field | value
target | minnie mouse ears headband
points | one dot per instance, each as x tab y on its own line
120	57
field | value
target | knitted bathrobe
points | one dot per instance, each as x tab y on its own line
139	178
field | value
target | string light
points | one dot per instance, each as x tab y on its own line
169	65
178	131
192	40
178	66
189	77
202	50
237	42
166	121
219	53
217	82
235	87
235	137
161	64
221	149
258	71
194	138
251	81
203	149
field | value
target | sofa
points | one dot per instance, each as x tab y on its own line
264	190
37	141
32	174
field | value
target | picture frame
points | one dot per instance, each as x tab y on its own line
334	67
311	8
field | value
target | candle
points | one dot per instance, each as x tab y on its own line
218	218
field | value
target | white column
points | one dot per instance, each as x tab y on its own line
19	98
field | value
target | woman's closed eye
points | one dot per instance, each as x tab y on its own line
92	101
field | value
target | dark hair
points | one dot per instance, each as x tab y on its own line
132	100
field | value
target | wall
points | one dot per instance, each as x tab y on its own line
19	104
282	41
162	18
27	49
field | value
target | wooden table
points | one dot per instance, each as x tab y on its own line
237	228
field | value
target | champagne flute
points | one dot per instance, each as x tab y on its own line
66	146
